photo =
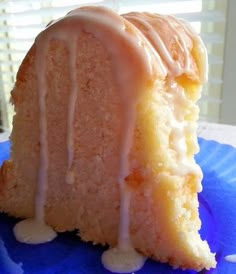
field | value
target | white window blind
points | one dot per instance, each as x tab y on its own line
21	21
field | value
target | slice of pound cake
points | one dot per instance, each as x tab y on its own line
104	138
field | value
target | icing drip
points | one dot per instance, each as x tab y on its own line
124	170
35	230
180	40
174	67
43	158
123	236
124	258
71	110
158	43
198	43
231	258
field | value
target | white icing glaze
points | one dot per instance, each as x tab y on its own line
43	158
159	45
71	108
122	260
124	170
179	39
123	233
174	67
31	231
231	258
201	49
70	177
34	231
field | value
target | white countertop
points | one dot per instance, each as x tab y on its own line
224	134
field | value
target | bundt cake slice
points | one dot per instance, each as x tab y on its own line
104	137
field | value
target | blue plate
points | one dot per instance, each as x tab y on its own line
67	254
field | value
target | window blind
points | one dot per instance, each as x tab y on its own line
21	21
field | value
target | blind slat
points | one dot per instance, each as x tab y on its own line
211	16
7	40
208	16
13	51
209	99
43	11
215	60
213	38
34	27
78	2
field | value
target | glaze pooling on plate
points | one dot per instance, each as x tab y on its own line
31	231
119	260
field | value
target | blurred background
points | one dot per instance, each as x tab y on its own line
215	20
